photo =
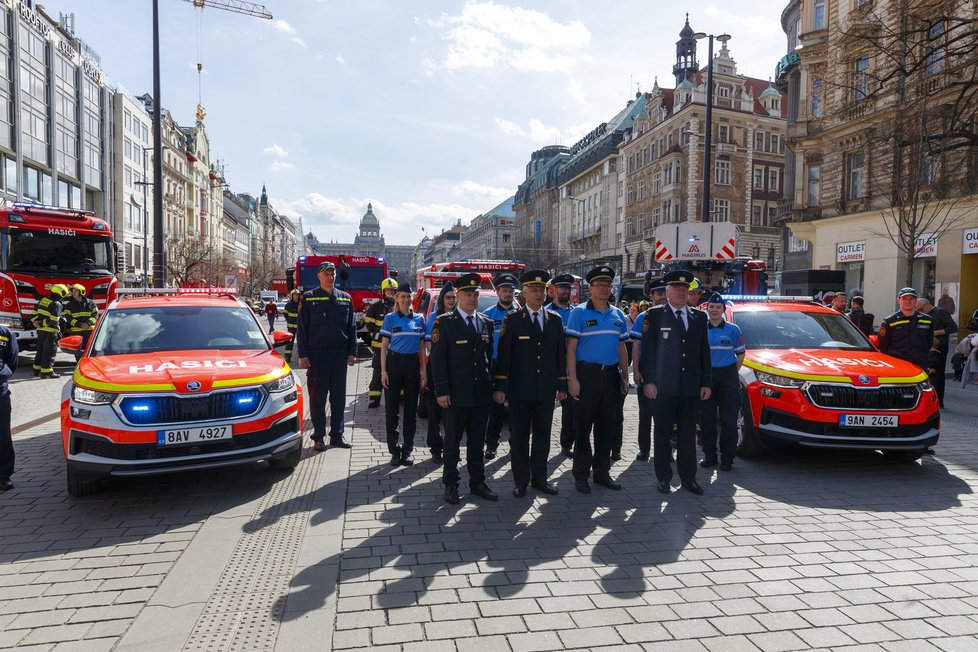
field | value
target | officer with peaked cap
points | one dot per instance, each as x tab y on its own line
597	366
436	443
561	304
531	370
676	372
505	285
461	356
727	350
656	290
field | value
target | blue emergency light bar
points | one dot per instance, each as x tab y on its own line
763	298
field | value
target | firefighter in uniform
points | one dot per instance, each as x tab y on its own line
505	285
327	346
461	355
646	406
562	306
373	319
907	334
47	320
291	311
531	370
8	365
597	367
80	313
402	371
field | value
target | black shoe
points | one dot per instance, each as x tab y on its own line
50	374
616	456
451	494
726	466
37	373
608	483
437	458
490	453
582	486
396	458
708	462
483	491
519	491
643	456
6	485
339	442
663	487
548	488
373	403
406	459
693	487
567	452
319	445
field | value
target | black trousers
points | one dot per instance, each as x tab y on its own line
619	425
6	442
597	407
403	375
722	406
671	411
530	421
435	417
291	345
646	410
326	377
497	414
940	378
375	388
44	357
470	421
568	431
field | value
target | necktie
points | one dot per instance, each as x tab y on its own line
472	325
536	322
679	318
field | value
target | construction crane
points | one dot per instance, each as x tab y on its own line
237	6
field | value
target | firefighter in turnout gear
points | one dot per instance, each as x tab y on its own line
46	319
291	311
80	314
373	320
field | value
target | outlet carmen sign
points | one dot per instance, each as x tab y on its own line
969	241
925	246
850	252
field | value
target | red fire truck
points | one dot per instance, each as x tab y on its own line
434	276
45	245
358	276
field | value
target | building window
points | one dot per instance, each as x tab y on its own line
862	78
819	17
775	144
721	210
656	217
667	211
723	134
928	169
759	141
722	173
621	189
641	190
857	170
758	178
935	54
621	214
814	181
773	176
756	216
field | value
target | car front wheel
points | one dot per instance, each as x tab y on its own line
748	439
81	485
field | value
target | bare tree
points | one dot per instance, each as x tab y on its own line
187	260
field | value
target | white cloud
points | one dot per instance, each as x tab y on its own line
510	128
480	194
286	28
535	130
340	59
275	150
278	166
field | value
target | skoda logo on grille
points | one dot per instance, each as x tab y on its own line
194	385
864	379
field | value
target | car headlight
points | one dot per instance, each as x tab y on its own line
91	396
778	381
10	322
925	386
283	384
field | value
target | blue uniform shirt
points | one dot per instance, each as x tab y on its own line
430	325
563	312
636	333
496	314
403	331
598	334
726	343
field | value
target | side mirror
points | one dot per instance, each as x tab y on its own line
279	338
875	339
72	343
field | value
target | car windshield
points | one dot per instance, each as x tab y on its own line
796	329
36	251
177	328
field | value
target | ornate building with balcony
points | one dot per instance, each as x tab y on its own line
536	207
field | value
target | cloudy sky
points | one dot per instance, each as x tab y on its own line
428	109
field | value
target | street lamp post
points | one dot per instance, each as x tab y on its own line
146	184
708	140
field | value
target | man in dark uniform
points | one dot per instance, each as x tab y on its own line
461	356
47	320
8	365
291	311
907	334
646	406
676	372
531	370
80	312
505	285
562	305
944	325
597	366
373	319
327	346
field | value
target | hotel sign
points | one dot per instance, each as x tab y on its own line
785	65
850	252
590	138
34	21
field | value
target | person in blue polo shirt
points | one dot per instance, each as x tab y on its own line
727	351
562	305
402	370
505	285
597	365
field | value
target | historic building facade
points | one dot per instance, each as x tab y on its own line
369	241
536	205
491	236
131	170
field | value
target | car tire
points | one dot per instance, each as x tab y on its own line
81	485
288	461
748	439
905	457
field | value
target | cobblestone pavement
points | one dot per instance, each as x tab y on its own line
796	550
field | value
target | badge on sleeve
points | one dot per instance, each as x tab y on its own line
645	325
435	334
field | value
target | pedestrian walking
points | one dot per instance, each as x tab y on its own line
291	311
907	334
597	367
531	371
944	325
505	285
46	319
656	290
461	356
80	313
727	350
373	319
402	372
8	365
676	372
327	346
446	303
271	313
562	305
